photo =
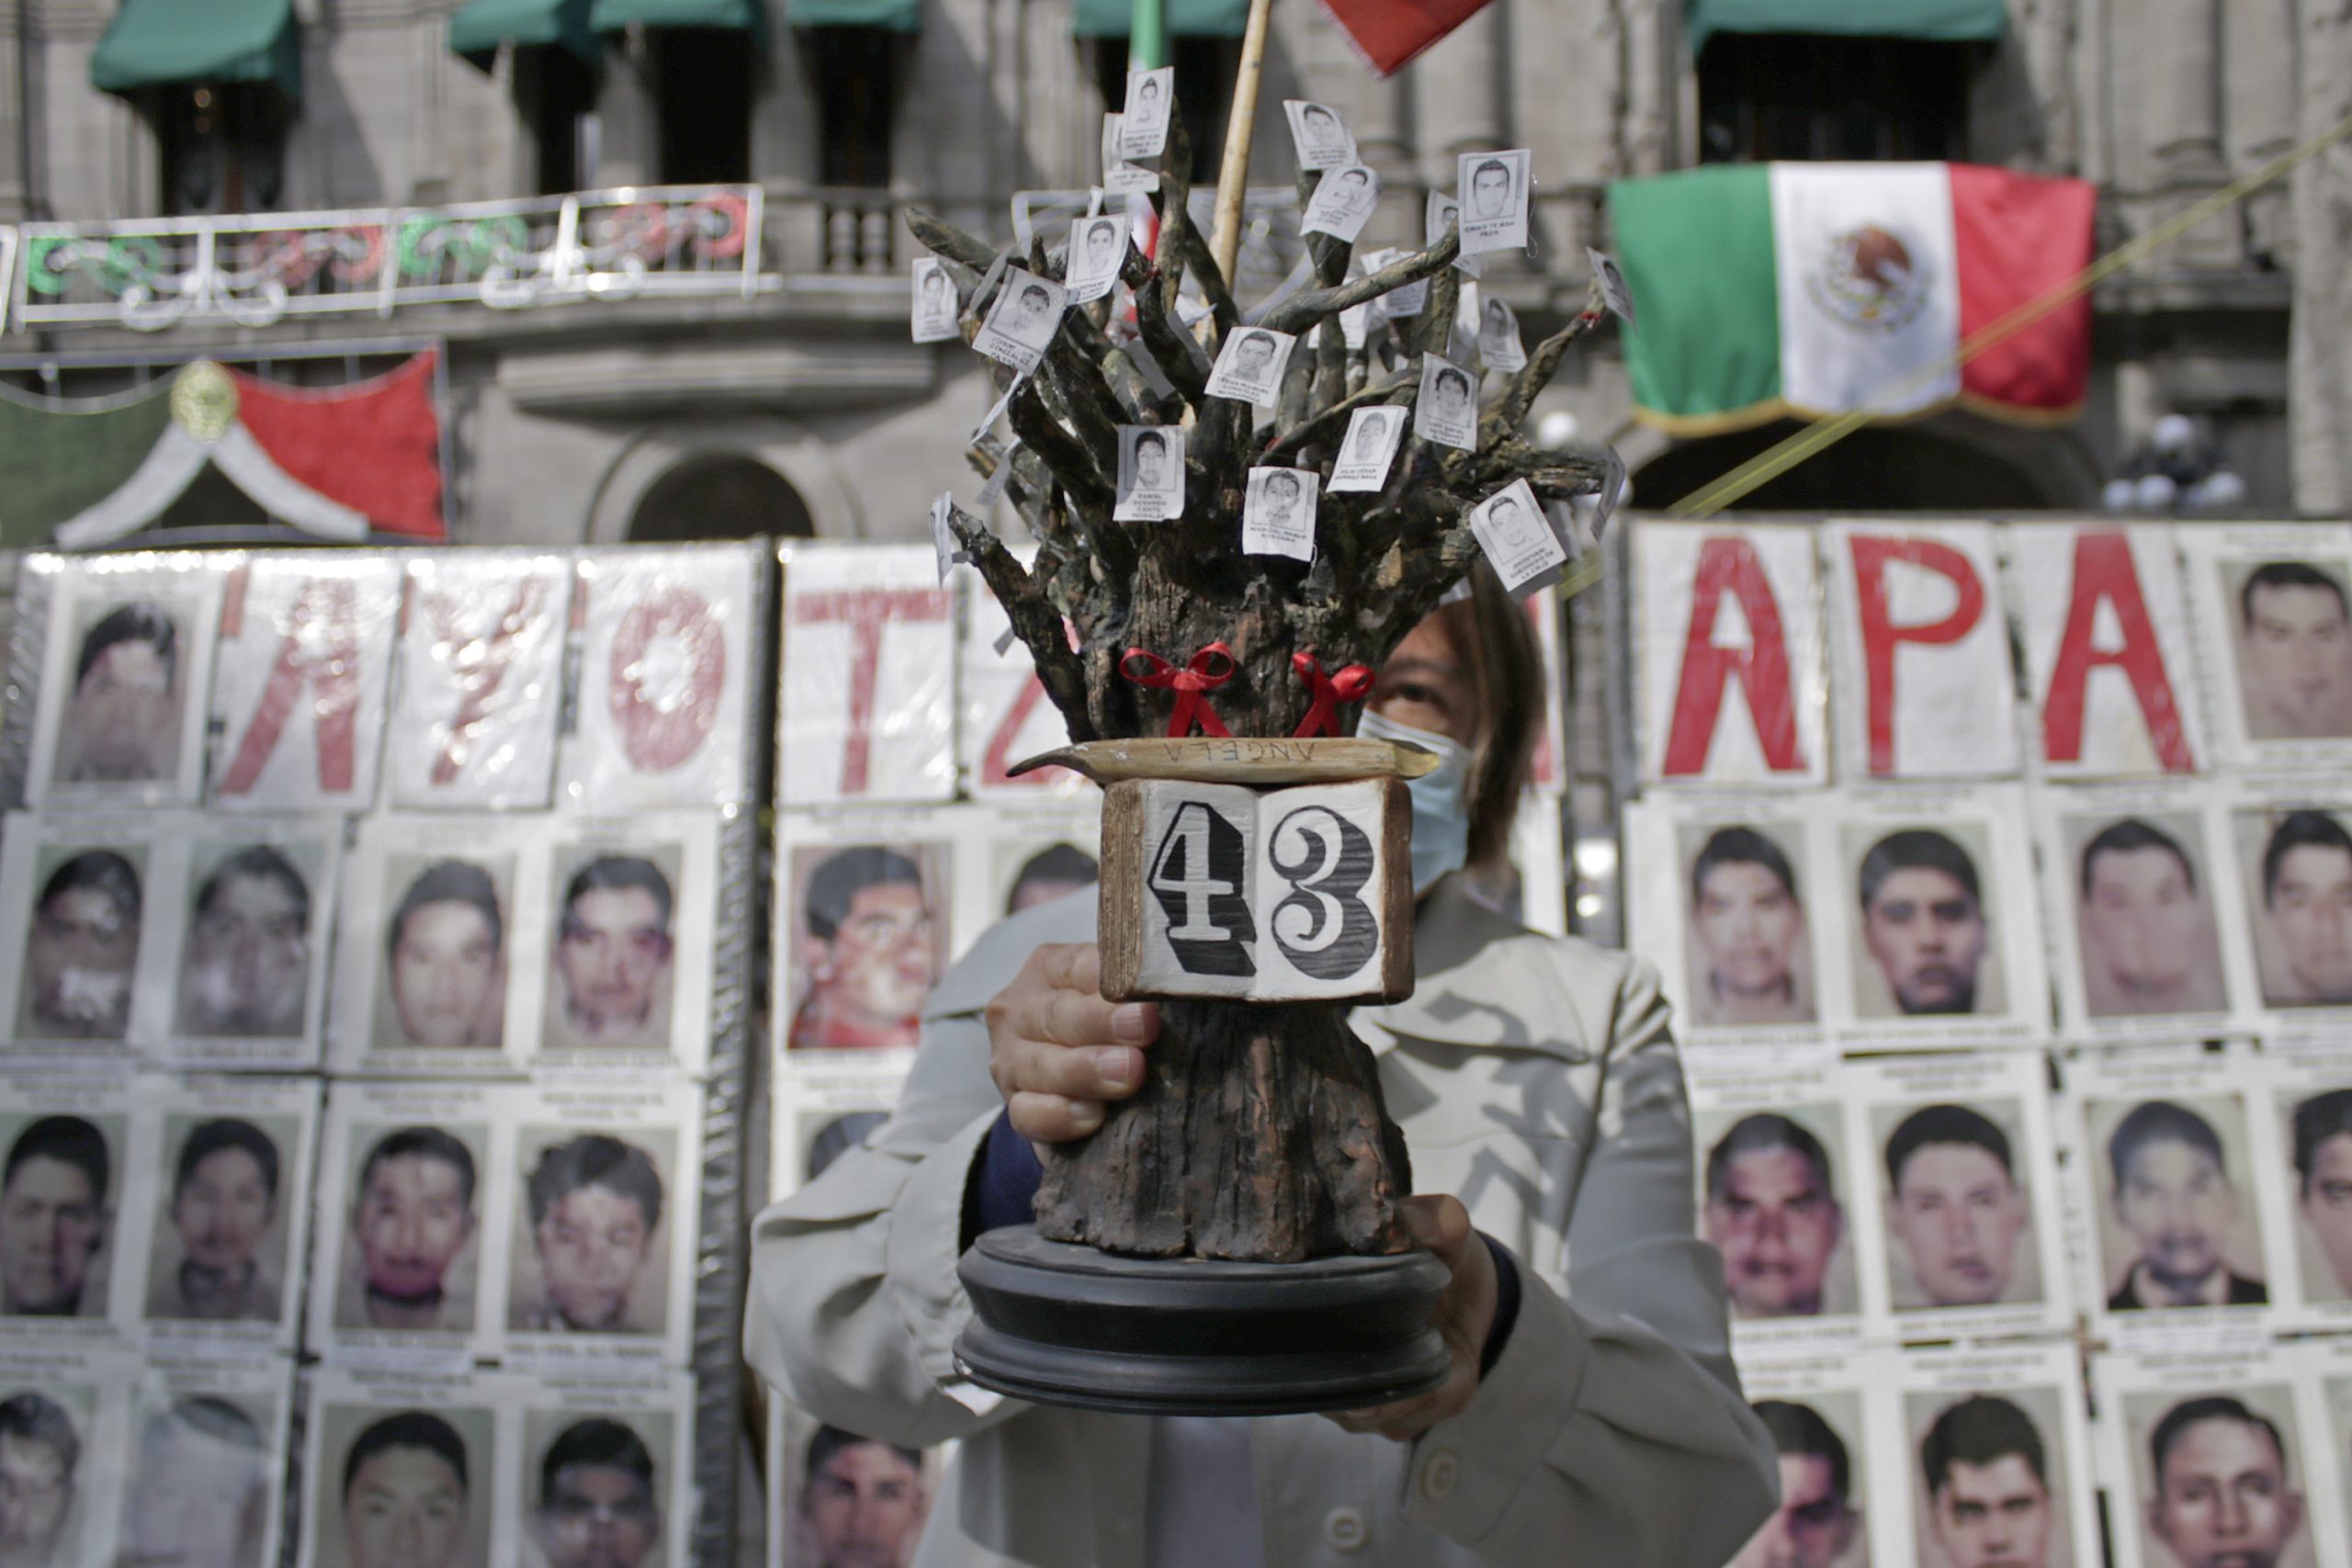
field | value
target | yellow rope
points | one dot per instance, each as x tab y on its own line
1767	466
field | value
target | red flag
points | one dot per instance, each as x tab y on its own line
1388	33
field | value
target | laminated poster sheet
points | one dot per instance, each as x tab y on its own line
867	707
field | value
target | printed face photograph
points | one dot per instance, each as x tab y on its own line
1444	214
594	1205
200	1493
1490	190
2220	1481
55	1212
1751	959
2145	916
245	971
1925	936
44	1455
596	1487
443	987
1819	1522
411	1260
2319	1138
868	939
1102	246
851	1502
403	1488
1452	392
1055	871
1374	429
1769	1205
2301	863
2294	645
1252	353
1988	1485
2177	1225
611	980
1152	461
938	293
218	1254
1320	126
122	721
1280	497
81	943
1957	1213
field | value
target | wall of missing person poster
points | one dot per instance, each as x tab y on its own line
2001	875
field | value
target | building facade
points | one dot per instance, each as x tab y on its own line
659	240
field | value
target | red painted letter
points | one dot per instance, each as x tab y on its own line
664	714
2104	572
1879	634
1729	564
320	650
479	663
866	611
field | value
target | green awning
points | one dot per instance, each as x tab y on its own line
164	43
1186	18
897	16
1936	21
481	26
736	15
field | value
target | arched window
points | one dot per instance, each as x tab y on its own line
721	496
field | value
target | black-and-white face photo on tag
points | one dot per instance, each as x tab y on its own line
1022	320
1439	214
1143	135
1516	535
1373	436
934	301
1614	291
1447	409
1250	366
1151	473
1320	134
1343	203
1097	248
1494	201
1278	513
1119	176
1499	344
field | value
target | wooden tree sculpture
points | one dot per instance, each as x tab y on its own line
1259	1134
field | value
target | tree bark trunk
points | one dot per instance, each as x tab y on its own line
1259	1134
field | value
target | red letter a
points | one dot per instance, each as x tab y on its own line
320	650
2104	571
1729	564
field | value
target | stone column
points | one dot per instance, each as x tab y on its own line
2320	360
2184	100
2258	112
15	201
1460	95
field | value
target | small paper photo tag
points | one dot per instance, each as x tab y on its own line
1373	436
1614	291
934	302
1250	367
1397	304
1447	408
1499	344
1514	532
1143	134
1355	327
1342	202
1151	474
1119	176
1493	188
943	535
1098	248
1441	215
1022	321
1278	513
1319	135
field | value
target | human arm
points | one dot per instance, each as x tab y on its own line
1611	1420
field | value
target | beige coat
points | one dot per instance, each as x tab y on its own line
1535	1078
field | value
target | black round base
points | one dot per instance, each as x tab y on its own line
1066	1324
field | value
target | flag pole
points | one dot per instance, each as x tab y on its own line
1233	173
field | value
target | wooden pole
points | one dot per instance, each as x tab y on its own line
1233	172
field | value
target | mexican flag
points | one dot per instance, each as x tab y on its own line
1767	290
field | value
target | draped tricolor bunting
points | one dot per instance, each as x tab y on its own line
338	461
1771	289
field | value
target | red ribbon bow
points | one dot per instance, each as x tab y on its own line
1351	684
1211	667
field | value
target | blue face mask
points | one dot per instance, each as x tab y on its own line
1441	800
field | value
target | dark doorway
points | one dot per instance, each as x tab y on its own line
725	496
1901	469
